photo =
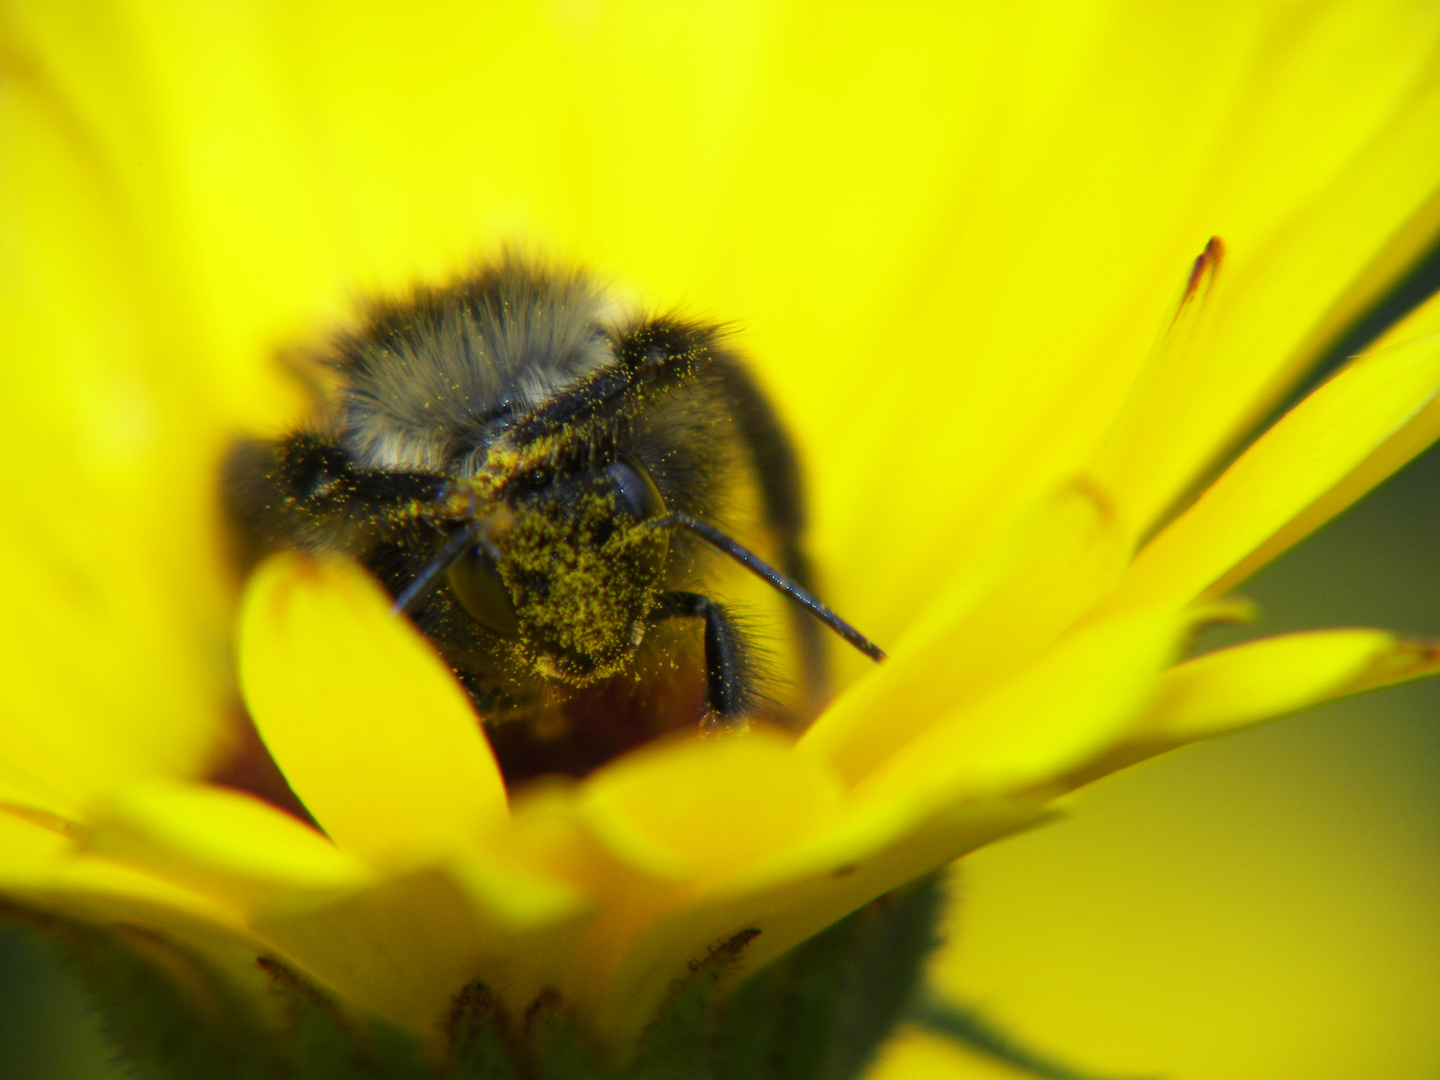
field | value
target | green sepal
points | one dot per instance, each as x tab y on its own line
320	1044
392	1053
683	1038
822	1011
480	1047
318	1041
557	1049
169	1014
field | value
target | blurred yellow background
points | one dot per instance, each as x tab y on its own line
1260	908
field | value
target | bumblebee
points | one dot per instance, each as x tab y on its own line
552	493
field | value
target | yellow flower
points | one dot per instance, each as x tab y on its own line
956	239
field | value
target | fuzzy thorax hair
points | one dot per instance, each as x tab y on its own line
433	378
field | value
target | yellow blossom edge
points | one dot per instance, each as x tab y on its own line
617	837
1339	441
1078	697
1390	455
1225	359
225	844
918	812
367	724
672	810
43	868
1308	452
324	911
988	622
1247	684
404	946
114	667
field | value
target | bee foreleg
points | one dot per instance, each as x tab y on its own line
729	692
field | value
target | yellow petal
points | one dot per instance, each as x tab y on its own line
665	826
1074	700
1308	452
406	946
1253	328
1234	688
1422	430
705	808
1032	304
368	725
981	771
290	141
221	843
113	658
21	791
29	852
691	843
981	629
41	868
627	965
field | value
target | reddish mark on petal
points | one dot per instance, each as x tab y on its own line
1202	273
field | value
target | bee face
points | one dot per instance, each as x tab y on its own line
573	570
541	486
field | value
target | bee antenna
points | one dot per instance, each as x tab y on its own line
429	577
763	570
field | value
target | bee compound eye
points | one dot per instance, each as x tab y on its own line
477	585
634	489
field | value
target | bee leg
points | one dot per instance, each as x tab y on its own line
728	691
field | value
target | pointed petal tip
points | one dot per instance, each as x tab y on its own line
1231	689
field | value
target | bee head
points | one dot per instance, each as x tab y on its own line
572	568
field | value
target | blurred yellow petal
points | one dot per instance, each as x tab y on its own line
42	869
1311	450
1074	700
406	946
700	840
1281	117
114	644
1233	688
1236	686
645	936
368	725
185	115
1422	430
21	791
1240	344
980	630
29	852
703	809
1304	137
224	844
